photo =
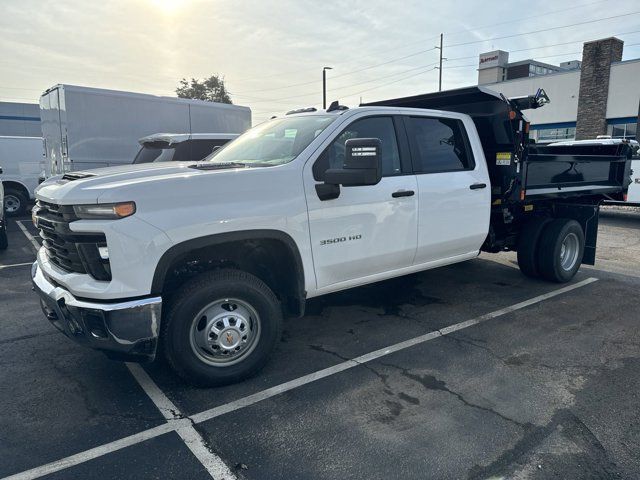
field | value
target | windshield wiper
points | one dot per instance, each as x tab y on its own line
216	166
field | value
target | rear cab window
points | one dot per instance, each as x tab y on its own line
438	145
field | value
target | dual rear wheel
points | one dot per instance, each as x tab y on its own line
551	248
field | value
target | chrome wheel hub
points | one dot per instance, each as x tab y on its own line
225	331
569	251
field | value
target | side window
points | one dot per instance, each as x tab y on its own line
373	127
438	145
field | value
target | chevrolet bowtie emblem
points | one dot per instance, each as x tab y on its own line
229	338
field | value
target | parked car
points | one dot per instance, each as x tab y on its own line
180	147
21	159
633	195
206	258
86	128
3	226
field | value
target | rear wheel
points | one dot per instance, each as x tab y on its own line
528	242
561	250
15	202
221	327
4	243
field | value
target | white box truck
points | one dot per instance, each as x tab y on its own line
85	128
21	161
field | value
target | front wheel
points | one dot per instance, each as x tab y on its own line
15	203
561	249
221	327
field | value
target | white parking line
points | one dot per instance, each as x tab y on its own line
165	405
212	462
16	265
33	241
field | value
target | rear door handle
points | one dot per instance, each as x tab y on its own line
403	193
477	186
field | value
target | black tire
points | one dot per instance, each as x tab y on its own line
550	261
192	298
4	242
528	242
18	197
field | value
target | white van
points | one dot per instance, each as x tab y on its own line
21	160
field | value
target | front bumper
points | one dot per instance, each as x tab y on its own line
124	330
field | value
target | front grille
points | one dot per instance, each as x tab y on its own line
70	251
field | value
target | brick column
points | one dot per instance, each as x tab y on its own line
594	86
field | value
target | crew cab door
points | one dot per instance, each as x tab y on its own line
366	230
454	192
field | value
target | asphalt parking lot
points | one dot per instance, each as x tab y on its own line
499	376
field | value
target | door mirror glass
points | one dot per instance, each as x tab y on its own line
362	164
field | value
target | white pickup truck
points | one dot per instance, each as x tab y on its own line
205	258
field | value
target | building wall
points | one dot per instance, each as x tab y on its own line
491	75
562	89
20	119
624	89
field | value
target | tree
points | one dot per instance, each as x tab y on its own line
211	89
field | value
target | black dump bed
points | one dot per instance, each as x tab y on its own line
518	169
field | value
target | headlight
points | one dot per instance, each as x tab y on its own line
105	211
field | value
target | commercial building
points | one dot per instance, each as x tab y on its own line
20	119
599	95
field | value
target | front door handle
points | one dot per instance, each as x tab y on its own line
403	193
477	186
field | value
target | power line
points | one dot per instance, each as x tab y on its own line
432	69
344	74
528	17
542	30
447	46
348	85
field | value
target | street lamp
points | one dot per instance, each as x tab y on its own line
324	87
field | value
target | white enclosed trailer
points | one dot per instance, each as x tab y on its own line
86	128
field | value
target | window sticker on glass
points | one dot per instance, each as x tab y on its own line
503	158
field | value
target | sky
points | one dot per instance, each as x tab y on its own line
271	53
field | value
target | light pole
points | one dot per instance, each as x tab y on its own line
324	87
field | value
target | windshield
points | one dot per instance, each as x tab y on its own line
275	142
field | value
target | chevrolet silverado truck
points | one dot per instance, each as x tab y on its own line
202	260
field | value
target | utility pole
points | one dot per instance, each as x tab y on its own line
440	67
324	87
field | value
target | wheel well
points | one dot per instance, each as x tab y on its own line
10	184
272	260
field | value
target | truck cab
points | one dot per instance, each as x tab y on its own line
208	257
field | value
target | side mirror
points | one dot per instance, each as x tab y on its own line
362	164
1	171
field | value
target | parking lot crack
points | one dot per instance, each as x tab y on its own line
320	348
460	339
430	382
